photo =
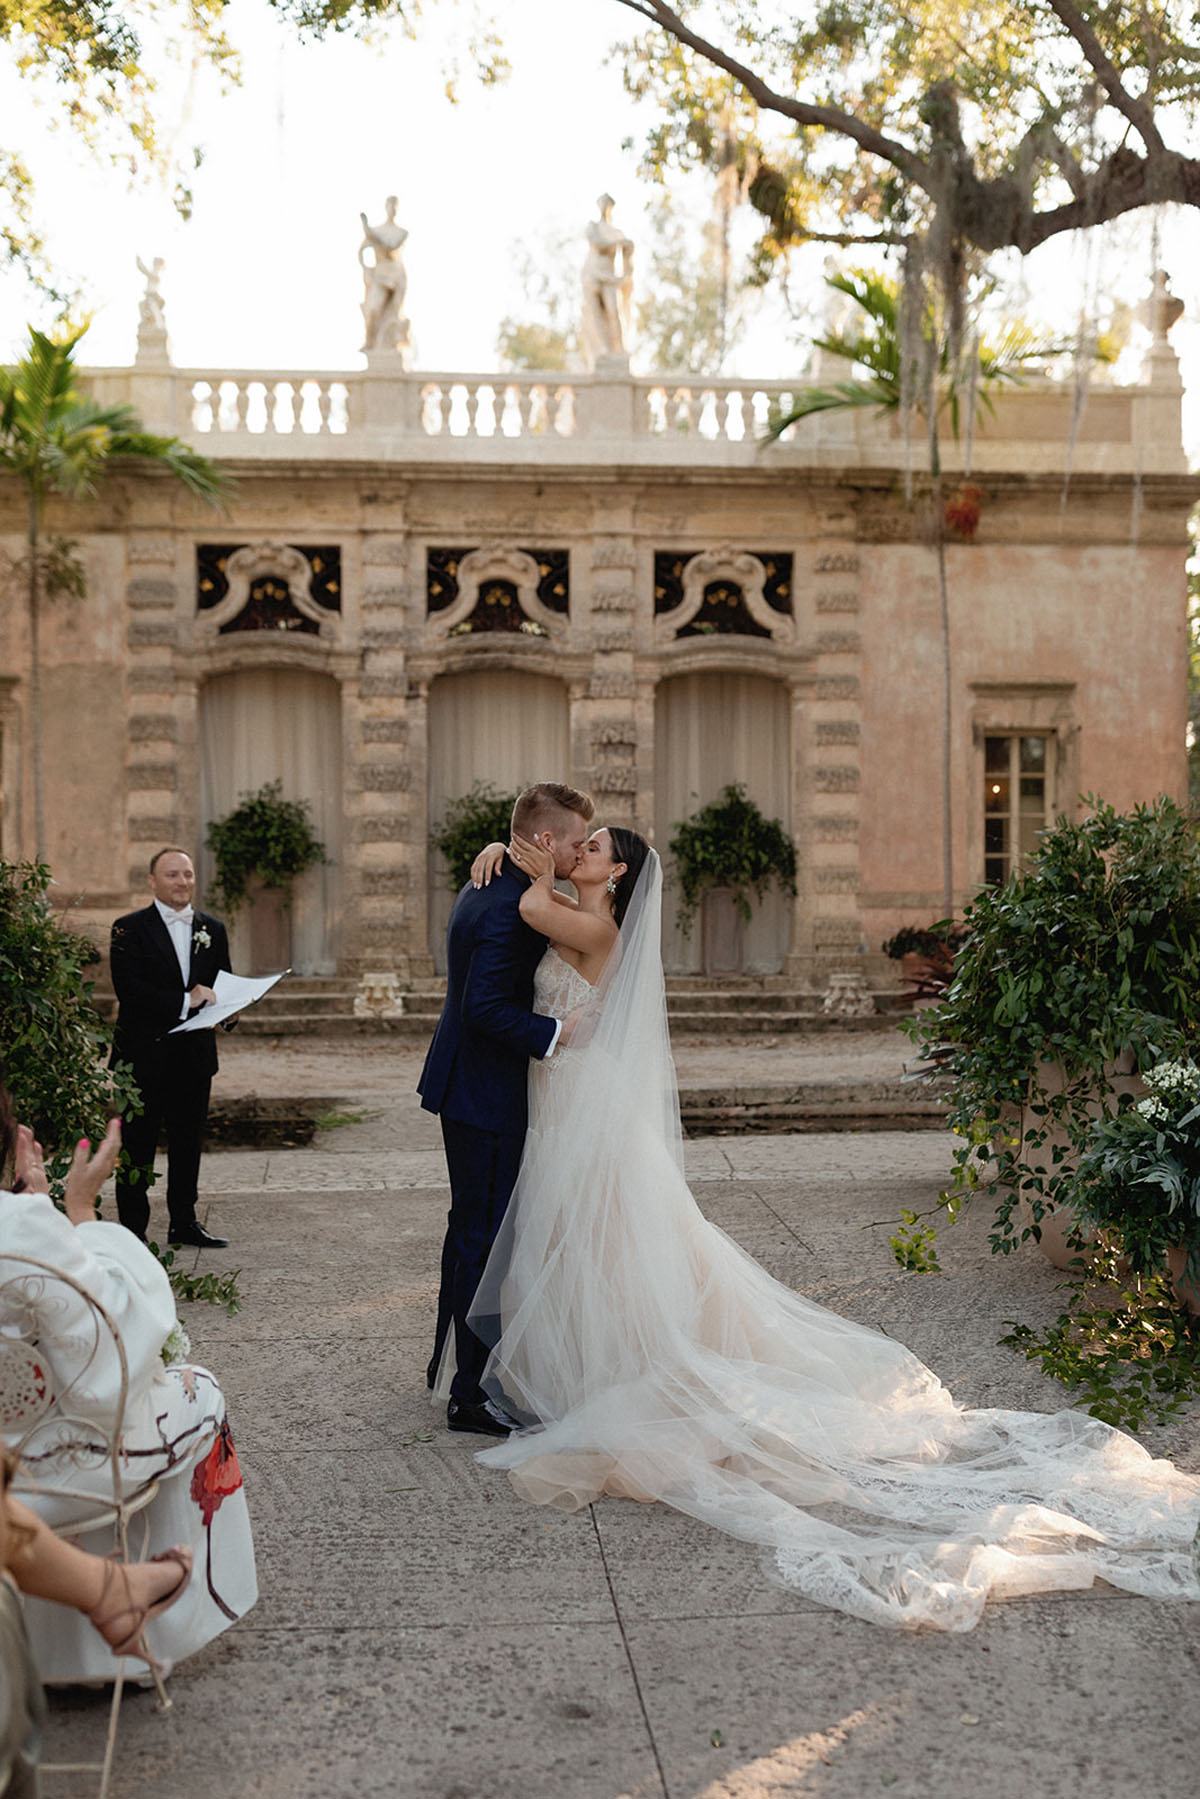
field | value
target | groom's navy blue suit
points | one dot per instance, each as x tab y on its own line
476	1077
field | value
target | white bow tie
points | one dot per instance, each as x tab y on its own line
184	917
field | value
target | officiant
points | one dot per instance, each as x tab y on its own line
165	959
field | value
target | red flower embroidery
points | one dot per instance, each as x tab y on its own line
217	1476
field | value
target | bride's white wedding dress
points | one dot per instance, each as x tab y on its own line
661	1362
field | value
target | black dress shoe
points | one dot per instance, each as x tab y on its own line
482	1419
194	1236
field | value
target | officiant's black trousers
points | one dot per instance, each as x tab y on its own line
176	1100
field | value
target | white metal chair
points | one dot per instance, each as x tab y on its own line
44	1424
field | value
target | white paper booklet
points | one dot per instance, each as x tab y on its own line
234	993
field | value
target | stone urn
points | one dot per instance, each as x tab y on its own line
722	933
270	928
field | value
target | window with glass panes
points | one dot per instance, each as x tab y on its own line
1016	800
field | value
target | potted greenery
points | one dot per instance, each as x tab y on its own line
1075	975
481	815
729	848
926	955
260	848
1138	1180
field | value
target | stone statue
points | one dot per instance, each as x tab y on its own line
385	280
607	287
152	343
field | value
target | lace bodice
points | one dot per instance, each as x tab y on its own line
557	987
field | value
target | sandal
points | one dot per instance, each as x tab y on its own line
133	1641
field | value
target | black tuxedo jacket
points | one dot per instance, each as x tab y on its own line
477	1069
150	990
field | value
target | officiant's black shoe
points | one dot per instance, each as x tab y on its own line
481	1419
194	1236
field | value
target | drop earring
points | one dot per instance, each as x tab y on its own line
610	886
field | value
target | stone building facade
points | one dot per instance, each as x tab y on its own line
423	580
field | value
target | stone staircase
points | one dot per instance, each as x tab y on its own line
699	1005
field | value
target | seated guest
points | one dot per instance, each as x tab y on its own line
175	1429
116	1598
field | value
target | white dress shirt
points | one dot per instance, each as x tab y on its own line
179	929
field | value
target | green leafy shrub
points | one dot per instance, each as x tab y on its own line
481	815
1092	954
264	835
729	843
937	941
53	1043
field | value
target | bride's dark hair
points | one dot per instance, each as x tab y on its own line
631	849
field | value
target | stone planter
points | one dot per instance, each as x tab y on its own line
722	933
1185	1291
1057	1222
270	928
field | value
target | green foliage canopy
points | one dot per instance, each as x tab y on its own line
992	124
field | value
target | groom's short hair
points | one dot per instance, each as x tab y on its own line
541	807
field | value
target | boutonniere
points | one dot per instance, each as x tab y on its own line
201	936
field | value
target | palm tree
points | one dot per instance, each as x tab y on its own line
952	384
57	441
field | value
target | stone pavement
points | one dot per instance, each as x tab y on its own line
423	1633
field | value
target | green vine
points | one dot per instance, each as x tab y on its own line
481	815
264	835
729	843
208	1289
1125	1348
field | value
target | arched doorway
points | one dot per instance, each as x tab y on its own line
504	727
279	724
709	730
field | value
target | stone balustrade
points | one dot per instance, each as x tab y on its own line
610	415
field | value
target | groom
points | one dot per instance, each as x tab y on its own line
476	1073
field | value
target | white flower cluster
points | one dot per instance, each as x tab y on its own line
178	1346
1152	1108
1175	1080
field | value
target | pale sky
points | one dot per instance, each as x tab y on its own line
265	274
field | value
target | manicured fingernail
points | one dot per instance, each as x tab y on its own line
85	1143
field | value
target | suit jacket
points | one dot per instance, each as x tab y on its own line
477	1069
150	990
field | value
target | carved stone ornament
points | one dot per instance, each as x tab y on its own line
496	562
848	996
379	996
724	563
254	562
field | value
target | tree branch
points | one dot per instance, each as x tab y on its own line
1139	114
827	118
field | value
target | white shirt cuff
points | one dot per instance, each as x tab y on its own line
554	1040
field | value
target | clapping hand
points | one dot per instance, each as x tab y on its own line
85	1177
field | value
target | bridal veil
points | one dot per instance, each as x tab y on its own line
653	1359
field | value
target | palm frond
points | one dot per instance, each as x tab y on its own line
199	474
843	394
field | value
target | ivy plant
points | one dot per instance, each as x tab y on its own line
481	815
729	843
264	835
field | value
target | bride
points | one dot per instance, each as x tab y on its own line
647	1356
